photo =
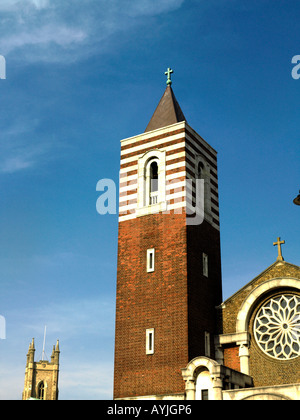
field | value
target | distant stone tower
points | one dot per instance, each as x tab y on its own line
41	378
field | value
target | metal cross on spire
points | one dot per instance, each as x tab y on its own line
168	73
279	243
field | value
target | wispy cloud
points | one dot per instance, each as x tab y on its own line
61	35
16	164
17	155
8	5
55	30
22	146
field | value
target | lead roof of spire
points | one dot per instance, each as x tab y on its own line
168	110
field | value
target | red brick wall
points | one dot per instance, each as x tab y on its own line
176	300
231	358
151	300
205	293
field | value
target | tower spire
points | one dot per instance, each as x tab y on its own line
168	111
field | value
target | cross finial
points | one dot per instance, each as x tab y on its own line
168	73
279	243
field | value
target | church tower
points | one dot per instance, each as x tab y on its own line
41	378
169	264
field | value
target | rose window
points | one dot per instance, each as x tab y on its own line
277	327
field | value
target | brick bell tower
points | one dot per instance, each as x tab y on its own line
169	264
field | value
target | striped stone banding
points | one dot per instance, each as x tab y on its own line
182	145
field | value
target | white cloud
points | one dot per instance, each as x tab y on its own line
21	147
60	35
39	3
67	31
16	156
154	7
13	5
15	164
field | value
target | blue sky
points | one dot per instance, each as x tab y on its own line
81	76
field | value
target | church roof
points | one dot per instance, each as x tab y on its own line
168	112
276	270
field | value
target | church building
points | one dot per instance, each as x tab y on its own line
175	337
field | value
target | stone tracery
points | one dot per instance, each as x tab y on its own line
277	327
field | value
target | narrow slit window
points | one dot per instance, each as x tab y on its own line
207	343
150	341
150	260
150	338
205	264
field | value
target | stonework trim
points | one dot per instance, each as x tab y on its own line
236	338
166	397
268	286
190	372
217	372
143	207
150	134
276	392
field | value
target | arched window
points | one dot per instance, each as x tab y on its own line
201	170
152	183
41	391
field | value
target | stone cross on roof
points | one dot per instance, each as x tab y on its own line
279	243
